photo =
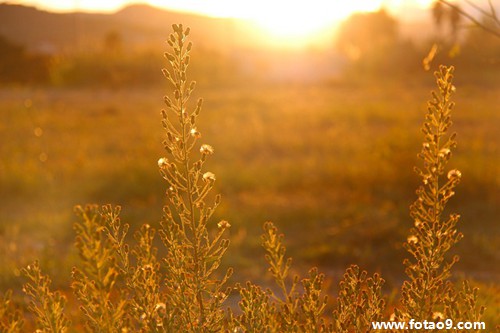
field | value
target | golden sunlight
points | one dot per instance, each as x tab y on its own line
303	19
260	10
285	22
281	21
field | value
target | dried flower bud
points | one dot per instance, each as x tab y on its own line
146	268
220	295
223	224
160	306
412	239
437	316
194	133
454	174
444	152
163	163
170	57
208	177
206	149
167	101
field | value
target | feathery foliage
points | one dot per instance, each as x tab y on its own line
193	253
124	288
95	282
11	320
48	306
429	294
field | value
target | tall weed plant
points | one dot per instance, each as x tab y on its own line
123	287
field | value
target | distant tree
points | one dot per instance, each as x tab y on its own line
366	34
455	18
438	13
481	47
369	39
474	39
19	66
113	42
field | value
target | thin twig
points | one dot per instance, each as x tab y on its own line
493	11
478	8
474	20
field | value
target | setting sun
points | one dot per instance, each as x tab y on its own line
281	22
280	17
300	19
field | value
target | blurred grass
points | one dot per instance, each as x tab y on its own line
330	163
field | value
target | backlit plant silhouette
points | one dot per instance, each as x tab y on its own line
124	287
428	294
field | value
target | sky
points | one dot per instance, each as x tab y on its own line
277	17
226	8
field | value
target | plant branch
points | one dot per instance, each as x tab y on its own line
483	26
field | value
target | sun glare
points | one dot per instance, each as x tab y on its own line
285	21
305	18
281	21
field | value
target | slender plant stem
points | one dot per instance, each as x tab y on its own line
474	20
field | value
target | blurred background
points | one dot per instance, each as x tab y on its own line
314	111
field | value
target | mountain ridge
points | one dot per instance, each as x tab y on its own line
141	24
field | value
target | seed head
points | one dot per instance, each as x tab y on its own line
209	177
220	295
437	316
160	306
454	174
163	163
444	152
223	224
194	133
206	149
412	239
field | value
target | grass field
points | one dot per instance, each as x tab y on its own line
331	164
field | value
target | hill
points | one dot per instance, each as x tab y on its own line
138	25
142	24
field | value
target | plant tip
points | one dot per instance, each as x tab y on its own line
209	176
454	174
